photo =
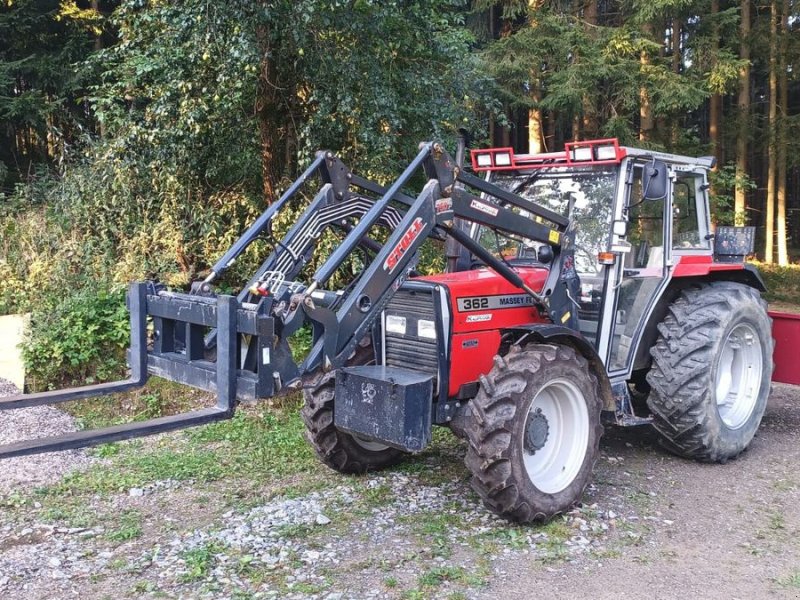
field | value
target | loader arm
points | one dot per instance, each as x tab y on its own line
249	333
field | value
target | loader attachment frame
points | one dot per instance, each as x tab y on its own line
237	347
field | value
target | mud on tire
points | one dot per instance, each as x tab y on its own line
524	381
337	449
711	372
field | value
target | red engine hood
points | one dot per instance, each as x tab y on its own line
505	305
485	282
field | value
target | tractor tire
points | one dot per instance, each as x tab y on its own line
534	432
339	450
711	371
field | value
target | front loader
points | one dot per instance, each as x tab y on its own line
580	284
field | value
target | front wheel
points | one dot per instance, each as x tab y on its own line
534	432
712	366
339	450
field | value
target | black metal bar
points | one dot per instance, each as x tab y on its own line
81	439
371	186
227	346
506	196
495	263
196	310
324	197
469	207
258	226
200	374
352	240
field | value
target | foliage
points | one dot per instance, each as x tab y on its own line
723	182
783	283
81	338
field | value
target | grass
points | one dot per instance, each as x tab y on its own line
257	444
438	575
199	561
128	527
790	581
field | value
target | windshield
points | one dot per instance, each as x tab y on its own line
592	190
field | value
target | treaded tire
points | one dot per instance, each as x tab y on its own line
686	357
337	449
497	426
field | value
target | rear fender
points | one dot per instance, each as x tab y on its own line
547	333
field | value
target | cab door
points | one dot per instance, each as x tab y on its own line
642	274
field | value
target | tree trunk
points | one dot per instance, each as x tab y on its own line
677	61
772	118
783	107
743	105
715	103
591	127
267	111
535	126
645	108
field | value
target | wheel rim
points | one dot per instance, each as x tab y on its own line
738	380
369	444
553	464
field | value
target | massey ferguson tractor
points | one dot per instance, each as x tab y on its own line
581	288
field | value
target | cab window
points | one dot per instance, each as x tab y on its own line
687	225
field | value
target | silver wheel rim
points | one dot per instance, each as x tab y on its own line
369	444
738	380
555	465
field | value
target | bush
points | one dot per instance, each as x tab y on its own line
82	339
783	283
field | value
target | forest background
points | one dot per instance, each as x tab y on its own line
138	138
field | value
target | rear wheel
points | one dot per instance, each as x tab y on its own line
712	366
339	450
534	432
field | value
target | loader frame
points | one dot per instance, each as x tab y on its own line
250	332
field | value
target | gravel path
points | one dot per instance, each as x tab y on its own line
28	423
652	526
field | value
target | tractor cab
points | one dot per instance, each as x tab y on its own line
641	218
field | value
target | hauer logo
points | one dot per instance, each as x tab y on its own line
403	245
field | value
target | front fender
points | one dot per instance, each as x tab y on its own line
548	333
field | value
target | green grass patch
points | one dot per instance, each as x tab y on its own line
199	561
438	575
128	526
257	444
790	581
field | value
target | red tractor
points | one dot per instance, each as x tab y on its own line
581	286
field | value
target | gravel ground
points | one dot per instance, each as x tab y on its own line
27	423
652	526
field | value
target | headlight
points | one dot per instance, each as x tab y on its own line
426	329
502	159
396	324
584	153
484	160
606	153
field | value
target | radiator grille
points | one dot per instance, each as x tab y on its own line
411	351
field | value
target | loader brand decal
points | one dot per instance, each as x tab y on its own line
469	344
494	302
443	205
479	318
403	245
484	208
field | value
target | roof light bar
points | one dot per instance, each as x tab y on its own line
589	152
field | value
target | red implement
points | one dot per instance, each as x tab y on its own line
786	331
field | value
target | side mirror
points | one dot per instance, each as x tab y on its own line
654	180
